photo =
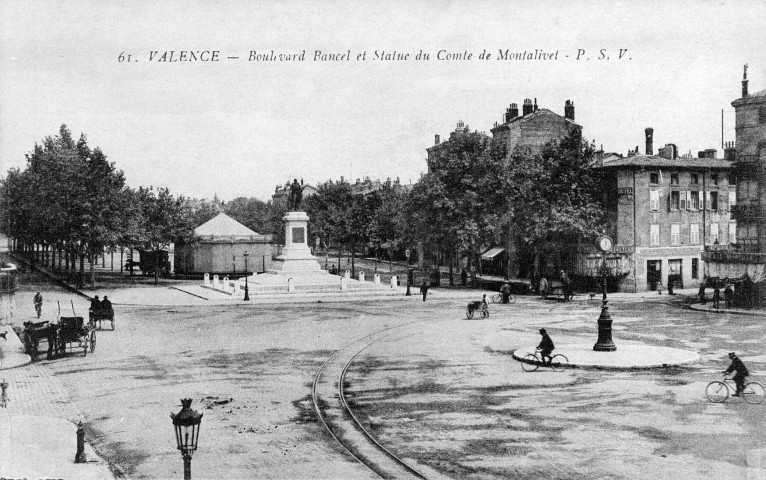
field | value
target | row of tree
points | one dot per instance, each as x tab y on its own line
72	203
70	200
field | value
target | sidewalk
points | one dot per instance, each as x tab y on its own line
38	423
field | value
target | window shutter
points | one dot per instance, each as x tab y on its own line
668	201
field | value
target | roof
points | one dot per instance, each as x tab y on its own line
529	116
757	97
223	225
661	162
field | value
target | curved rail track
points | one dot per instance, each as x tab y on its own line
334	412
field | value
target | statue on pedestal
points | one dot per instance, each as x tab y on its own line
295	196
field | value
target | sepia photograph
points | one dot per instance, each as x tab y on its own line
382	239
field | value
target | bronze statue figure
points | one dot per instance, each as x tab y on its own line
295	197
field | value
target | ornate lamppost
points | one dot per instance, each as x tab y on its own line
604	342
247	273
186	424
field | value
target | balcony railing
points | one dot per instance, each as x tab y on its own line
729	255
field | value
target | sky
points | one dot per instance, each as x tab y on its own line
236	127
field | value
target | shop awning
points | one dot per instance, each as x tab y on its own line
492	253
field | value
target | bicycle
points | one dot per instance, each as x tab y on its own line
718	391
533	361
498	298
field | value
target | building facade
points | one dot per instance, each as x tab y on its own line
662	212
744	262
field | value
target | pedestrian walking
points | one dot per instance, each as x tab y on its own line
544	288
424	290
566	285
728	295
717	297
505	291
701	293
38	304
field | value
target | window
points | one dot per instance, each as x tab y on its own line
694	233
695	268
675	200
695	196
685	200
654	234
714	179
654	200
713	232
654	178
674	178
732	232
732	198
713	200
675	234
695	179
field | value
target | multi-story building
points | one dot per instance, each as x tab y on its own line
662	210
744	262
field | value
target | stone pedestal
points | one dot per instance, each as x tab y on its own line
296	257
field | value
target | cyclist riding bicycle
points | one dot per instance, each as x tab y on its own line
741	369
546	346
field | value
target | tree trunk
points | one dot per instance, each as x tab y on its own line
92	259
122	251
156	267
353	254
451	271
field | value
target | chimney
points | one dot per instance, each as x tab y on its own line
649	140
511	112
569	110
535	104
708	153
526	109
744	83
730	152
437	139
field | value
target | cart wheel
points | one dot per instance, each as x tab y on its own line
469	313
511	299
92	341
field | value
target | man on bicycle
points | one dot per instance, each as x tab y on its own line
741	369
546	346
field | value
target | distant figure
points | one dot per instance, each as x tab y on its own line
38	304
484	299
464	277
566	285
95	305
717	297
546	346
701	293
505	291
106	305
670	287
728	295
544	288
296	195
424	290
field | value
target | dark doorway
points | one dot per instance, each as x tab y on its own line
653	273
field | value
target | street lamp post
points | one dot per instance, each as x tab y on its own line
604	342
186	424
247	293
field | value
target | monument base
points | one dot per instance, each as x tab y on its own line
296	258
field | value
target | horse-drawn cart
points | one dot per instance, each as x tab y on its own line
74	333
35	332
96	317
474	307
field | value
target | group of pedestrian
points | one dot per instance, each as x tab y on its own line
728	295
